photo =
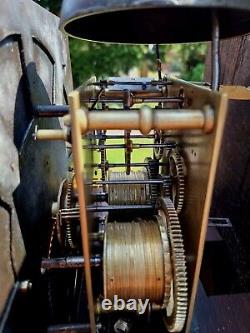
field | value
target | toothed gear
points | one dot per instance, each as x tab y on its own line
68	203
166	255
176	171
176	310
158	151
153	171
103	164
166	187
128	151
103	158
60	203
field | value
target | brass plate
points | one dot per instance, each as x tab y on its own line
201	152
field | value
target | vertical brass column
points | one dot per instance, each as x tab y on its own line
74	103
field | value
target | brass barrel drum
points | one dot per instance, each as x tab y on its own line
145	259
138	265
128	194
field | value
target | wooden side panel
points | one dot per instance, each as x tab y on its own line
231	200
231	194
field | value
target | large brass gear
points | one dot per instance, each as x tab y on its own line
176	310
176	171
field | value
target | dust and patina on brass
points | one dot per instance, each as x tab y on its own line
133	261
134	228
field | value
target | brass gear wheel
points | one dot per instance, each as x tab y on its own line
176	171
64	200
176	310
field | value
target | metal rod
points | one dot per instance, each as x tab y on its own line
158	59
121	136
117	109
69	262
135	146
215	51
73	213
50	110
129	181
119	165
74	100
71	328
164	119
152	83
54	134
132	83
118	207
8	306
144	120
64	211
136	100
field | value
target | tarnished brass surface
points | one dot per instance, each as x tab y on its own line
79	176
176	310
133	249
200	153
128	194
52	134
176	171
133	261
144	120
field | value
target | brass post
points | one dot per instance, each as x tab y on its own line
74	102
